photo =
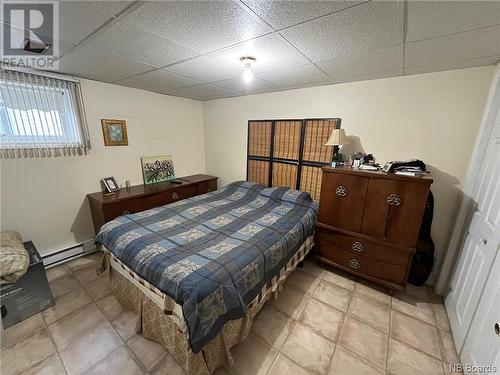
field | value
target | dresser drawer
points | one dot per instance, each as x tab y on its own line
206	187
182	193
361	265
383	252
139	204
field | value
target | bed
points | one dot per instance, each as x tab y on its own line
196	272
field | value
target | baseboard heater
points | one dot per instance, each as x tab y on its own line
69	253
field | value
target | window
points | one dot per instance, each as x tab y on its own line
40	116
290	152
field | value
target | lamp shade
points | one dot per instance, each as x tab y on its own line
337	138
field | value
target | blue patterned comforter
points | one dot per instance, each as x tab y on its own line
213	253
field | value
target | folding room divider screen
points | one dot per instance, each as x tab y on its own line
289	152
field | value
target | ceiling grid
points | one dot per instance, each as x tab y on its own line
192	49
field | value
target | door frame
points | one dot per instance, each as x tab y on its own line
458	235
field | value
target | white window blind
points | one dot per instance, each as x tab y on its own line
41	116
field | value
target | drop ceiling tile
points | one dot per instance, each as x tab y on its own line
470	63
92	64
281	14
454	47
201	25
233	94
376	61
272	52
129	41
65	47
110	7
296	76
159	81
213	97
143	85
199	91
427	19
368	76
165	78
77	20
206	69
364	27
238	85
306	85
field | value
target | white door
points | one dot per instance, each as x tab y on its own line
482	347
481	242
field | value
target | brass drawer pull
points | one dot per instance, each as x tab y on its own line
353	263
341	191
175	195
357	247
393	200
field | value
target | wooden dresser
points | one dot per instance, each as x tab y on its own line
368	223
138	198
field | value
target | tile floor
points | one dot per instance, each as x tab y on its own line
324	322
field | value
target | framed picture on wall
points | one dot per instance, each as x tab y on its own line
114	132
110	184
157	168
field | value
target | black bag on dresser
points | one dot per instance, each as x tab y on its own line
423	260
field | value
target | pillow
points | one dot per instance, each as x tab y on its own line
14	259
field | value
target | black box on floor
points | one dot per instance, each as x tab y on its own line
28	295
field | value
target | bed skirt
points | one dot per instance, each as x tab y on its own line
153	323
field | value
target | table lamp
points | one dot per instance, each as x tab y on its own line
337	138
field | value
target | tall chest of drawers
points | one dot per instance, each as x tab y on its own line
368	223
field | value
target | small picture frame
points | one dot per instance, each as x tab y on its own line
110	184
114	132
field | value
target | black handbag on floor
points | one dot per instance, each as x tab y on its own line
423	260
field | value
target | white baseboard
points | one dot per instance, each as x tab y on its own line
68	254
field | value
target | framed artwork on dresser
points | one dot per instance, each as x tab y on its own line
158	168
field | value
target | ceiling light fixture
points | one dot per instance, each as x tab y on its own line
247	62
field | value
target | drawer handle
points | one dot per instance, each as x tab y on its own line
341	191
126	212
353	263
393	200
175	195
357	247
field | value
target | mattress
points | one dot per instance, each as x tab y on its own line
213	254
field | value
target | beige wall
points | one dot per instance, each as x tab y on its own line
45	200
433	117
